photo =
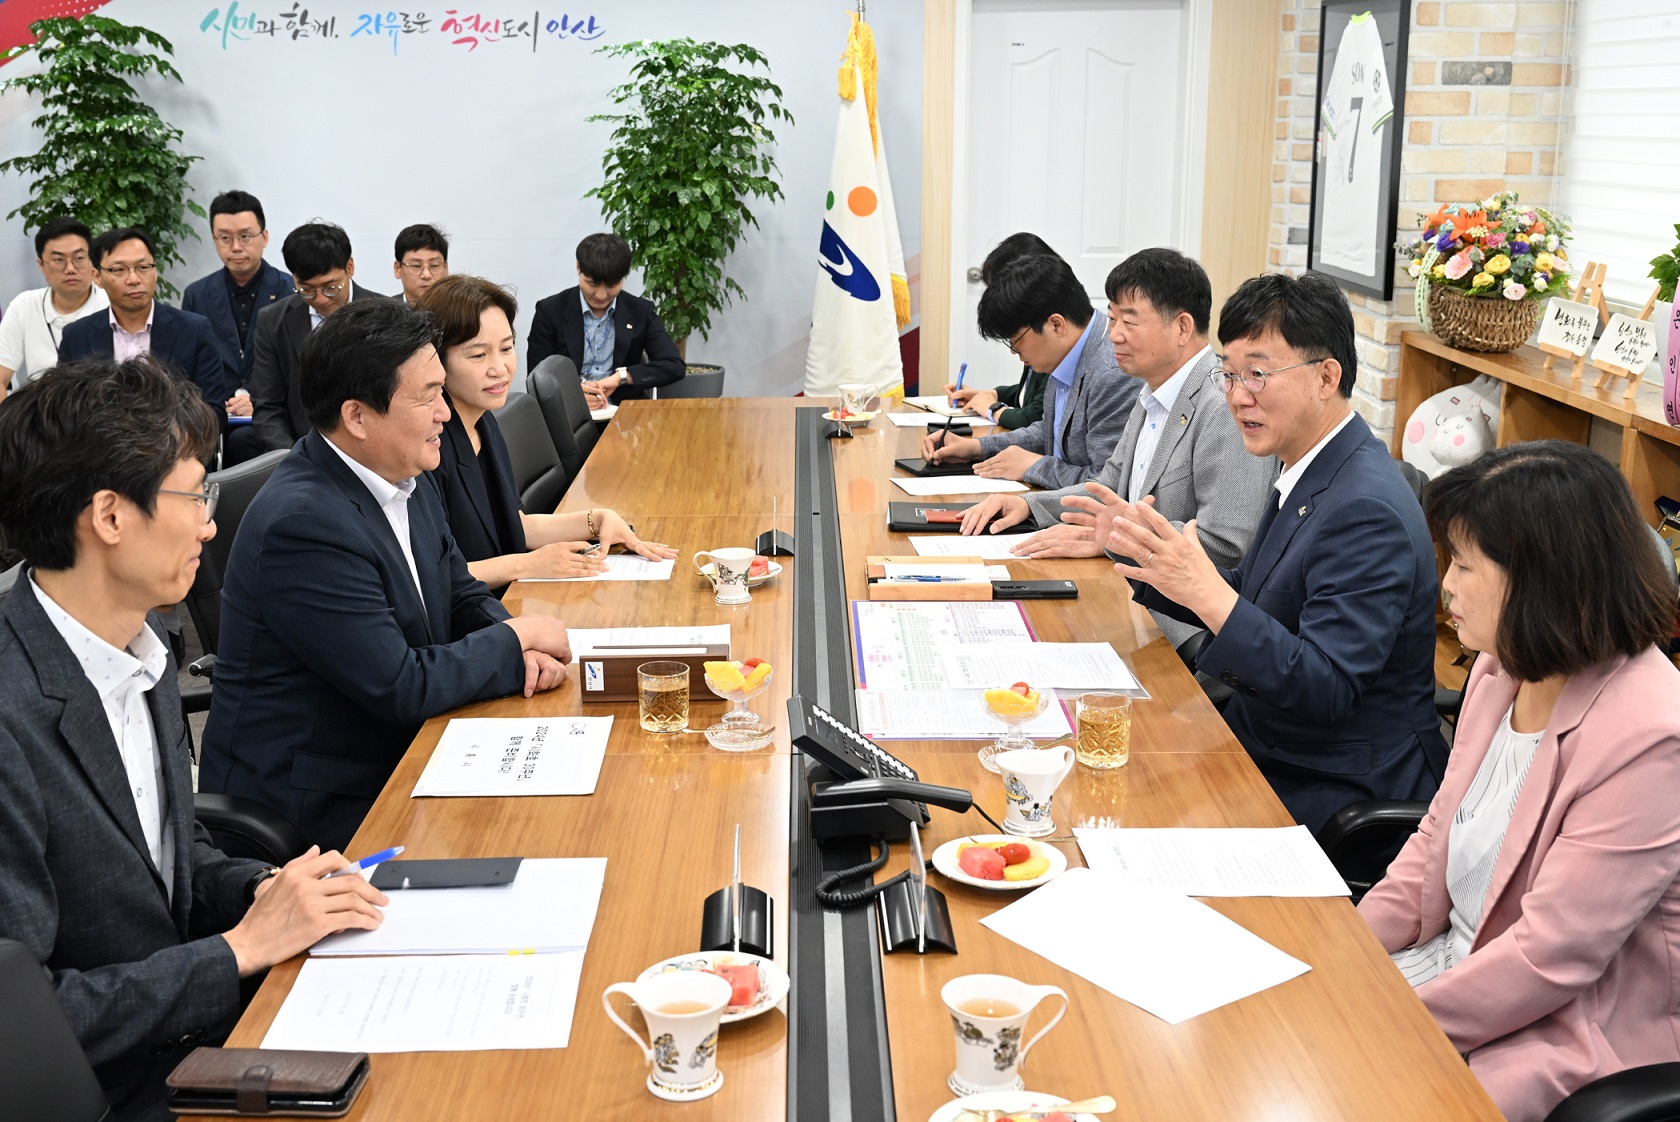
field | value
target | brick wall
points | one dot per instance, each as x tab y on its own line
1483	113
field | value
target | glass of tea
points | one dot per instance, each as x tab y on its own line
662	694
1105	730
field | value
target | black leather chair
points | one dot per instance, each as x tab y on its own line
555	385
239	485
1640	1094
537	472
697	382
44	1074
242	828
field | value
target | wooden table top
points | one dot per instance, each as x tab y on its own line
1348	1040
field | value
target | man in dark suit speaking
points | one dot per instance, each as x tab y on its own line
1326	630
348	614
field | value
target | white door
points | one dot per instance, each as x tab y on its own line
1074	135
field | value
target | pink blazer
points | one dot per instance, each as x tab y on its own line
1575	971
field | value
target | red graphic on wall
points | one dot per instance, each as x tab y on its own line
17	15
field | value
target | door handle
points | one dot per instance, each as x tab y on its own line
974	275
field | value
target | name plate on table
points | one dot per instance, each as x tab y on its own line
607	657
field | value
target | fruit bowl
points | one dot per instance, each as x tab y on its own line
741	730
1013	705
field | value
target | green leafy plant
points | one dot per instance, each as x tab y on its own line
1665	269
108	159
688	151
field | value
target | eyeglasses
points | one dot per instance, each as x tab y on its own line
120	272
58	261
330	291
421	268
226	240
1016	342
1253	380
208	497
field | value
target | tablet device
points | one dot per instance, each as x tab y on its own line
450	872
920	467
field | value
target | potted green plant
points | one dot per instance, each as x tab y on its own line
108	158
1484	269
689	151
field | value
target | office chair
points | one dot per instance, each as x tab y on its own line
44	1074
537	472
1639	1094
242	828
555	385
699	381
239	485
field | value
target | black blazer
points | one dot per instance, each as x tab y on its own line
142	975
276	406
479	496
208	297
640	344
328	660
183	340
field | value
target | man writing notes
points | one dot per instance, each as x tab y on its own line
1037	306
348	614
144	927
1326	630
36	318
1180	448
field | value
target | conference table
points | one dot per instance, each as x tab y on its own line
863	1034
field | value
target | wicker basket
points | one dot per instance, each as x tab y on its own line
1480	323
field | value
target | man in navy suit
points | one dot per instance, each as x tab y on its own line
125	261
1326	630
230	299
348	613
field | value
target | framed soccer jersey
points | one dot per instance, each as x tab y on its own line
1356	165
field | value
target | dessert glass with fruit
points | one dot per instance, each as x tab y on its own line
1013	705
741	730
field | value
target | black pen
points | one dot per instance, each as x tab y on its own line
943	435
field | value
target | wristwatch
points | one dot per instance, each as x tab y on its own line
257	878
623	376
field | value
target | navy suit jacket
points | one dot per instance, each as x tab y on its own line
183	340
640	342
276	372
327	661
208	297
1330	651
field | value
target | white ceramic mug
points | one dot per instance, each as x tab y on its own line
989	1049
855	397
1030	779
729	573
682	1044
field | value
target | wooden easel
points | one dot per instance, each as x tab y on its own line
1589	290
1611	369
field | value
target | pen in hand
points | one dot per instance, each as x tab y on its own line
961	370
369	862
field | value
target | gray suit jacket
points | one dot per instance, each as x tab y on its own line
1101	401
142	978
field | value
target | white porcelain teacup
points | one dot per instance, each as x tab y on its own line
682	1009
855	397
729	573
1030	779
989	1016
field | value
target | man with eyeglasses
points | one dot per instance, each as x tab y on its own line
1326	630
318	256
125	261
230	299
36	318
422	260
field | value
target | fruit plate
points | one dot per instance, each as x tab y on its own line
706	571
855	420
945	861
1003	1100
772	979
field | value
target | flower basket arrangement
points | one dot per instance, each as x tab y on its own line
1483	270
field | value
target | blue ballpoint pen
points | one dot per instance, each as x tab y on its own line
930	579
961	370
369	862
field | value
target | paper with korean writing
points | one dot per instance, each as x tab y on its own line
1568	326
489	756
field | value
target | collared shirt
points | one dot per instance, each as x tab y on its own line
1063	376
122	679
243	297
393	503
598	339
125	346
33	328
1286	482
1156	405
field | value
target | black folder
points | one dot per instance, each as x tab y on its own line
920	467
911	518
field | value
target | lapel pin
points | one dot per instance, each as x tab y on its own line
1184	418
1302	513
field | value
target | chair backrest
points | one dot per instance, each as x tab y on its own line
243	828
537	473
1414	477
44	1074
239	486
555	385
696	383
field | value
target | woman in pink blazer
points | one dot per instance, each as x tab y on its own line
1536	909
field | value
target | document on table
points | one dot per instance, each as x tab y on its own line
430	1003
993	547
603	641
921	419
947	715
1167	954
549	907
1067	666
625	566
1284	861
605	413
940	404
898	641
956	485
516	756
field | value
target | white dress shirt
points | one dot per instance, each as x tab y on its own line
33	328
393	501
1156	405
1292	475
123	679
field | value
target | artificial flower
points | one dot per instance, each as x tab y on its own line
1495	240
1458	265
1414	268
1498	264
1543	262
1514	291
1482	280
1518	248
1551	241
1438	272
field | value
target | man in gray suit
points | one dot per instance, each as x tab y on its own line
1181	448
145	928
1037	306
